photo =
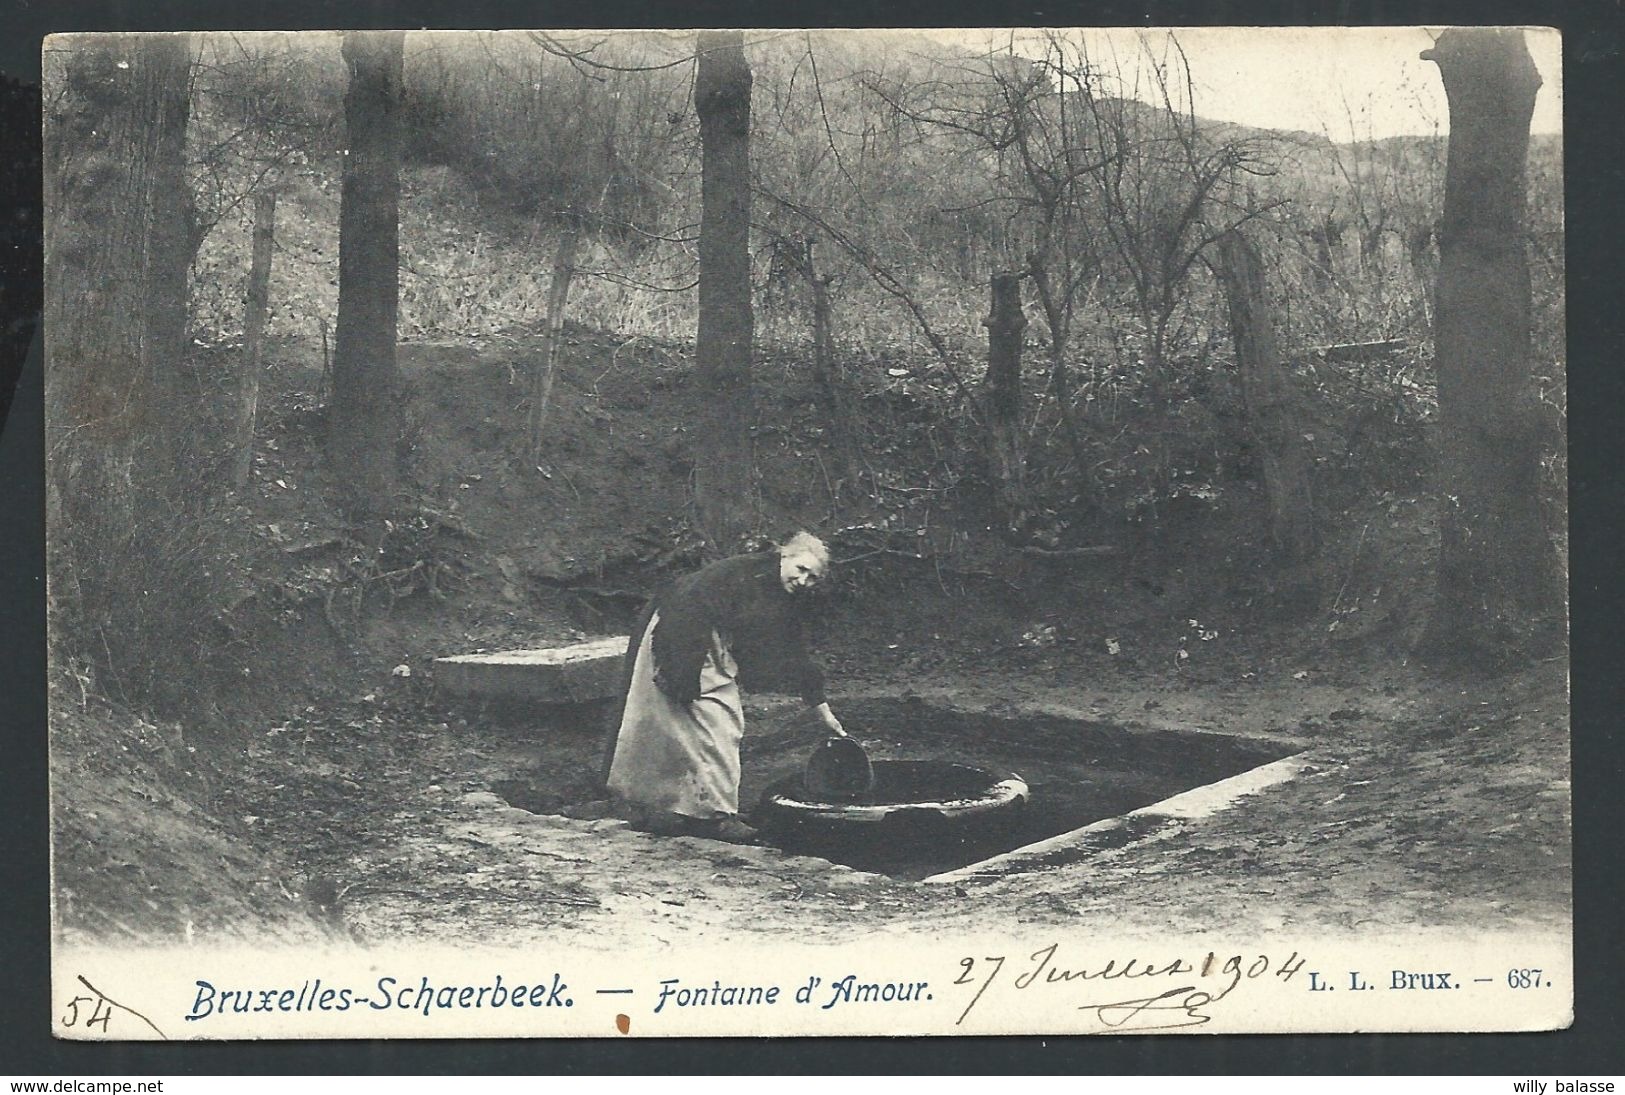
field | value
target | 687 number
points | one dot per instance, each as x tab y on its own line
1523	979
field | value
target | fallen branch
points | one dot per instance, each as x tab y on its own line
313	547
603	593
450	522
1070	553
1361	351
882	551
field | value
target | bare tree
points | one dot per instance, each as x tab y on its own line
364	418
558	291
797	253
841	163
1167	192
1498	569
1273	411
569	132
1006	460
1094	187
259	292
1039	110
1390	189
1020	116
263	108
723	470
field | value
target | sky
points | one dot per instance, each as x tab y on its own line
1348	83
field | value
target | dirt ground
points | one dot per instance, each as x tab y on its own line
317	793
390	829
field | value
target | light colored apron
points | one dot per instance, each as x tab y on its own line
681	758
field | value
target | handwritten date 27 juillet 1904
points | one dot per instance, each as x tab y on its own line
1198	986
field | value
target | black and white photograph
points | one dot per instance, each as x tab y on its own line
832	532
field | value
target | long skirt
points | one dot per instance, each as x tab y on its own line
681	758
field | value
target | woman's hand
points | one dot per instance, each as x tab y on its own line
827	718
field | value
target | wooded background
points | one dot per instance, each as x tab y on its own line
1107	308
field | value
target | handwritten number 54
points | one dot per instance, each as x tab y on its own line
102	1011
99	1014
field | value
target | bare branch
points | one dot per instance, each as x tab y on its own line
886	280
582	61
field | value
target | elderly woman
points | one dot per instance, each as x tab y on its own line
675	756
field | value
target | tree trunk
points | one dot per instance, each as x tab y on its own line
1424	266
1322	270
837	416
558	291
826	370
1060	376
1419	247
118	245
123	499
824	366
259	293
1005	324
1498	569
722	475
1270	400
364	418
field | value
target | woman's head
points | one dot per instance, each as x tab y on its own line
803	562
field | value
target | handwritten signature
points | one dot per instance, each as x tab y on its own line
1188	1005
101	1008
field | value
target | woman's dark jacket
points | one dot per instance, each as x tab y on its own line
762	625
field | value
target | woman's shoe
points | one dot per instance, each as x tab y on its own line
731	830
660	823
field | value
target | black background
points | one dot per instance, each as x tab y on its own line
1593	101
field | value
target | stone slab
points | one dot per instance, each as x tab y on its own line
578	673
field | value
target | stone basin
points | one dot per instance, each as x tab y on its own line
925	792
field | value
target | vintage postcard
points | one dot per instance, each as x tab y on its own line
1038	531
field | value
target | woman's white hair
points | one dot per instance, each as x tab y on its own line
806	542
